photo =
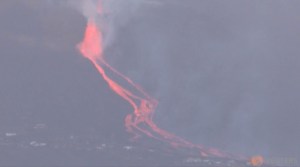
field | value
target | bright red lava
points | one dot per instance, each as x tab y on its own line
140	121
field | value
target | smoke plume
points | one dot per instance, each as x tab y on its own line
112	14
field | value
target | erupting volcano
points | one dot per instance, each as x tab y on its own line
140	122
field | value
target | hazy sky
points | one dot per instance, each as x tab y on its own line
225	72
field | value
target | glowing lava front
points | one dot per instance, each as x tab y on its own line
140	121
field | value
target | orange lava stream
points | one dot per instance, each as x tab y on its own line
140	121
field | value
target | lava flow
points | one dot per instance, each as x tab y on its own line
140	121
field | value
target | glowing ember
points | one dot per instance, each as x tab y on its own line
140	121
256	160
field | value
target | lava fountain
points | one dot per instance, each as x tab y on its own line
140	122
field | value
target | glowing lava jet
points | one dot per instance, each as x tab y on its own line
140	121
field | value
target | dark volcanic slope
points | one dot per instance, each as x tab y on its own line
55	108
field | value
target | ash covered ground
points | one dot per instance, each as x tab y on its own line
32	149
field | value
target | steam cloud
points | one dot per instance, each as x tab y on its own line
113	14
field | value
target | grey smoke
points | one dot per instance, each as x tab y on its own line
115	14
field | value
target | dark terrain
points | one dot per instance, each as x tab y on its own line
55	108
